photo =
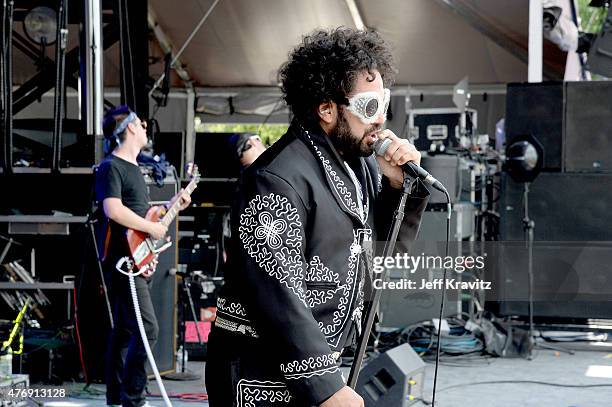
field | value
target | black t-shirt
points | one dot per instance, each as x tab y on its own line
118	178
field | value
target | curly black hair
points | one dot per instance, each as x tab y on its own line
325	66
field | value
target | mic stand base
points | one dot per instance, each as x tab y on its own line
529	229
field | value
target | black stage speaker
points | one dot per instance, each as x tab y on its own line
163	285
394	378
564	207
572	249
588	126
537	109
572	280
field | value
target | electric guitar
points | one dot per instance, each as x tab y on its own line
143	248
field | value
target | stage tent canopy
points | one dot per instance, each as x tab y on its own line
243	42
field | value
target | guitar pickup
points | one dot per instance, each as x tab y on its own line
163	247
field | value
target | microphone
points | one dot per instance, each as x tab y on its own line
410	168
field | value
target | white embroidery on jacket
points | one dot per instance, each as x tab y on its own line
312	366
321	283
363	207
233	326
341	190
319	272
333	329
238	322
231	308
271	232
250	393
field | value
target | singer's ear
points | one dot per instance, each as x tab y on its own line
327	112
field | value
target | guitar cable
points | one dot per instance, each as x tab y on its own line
145	341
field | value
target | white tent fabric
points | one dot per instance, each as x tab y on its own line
436	41
243	42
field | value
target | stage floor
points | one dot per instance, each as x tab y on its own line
547	366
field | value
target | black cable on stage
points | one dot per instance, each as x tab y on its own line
439	345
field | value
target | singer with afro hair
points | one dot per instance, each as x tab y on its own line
297	273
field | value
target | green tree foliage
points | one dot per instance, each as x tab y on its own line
591	18
269	133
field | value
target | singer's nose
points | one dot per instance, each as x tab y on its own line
381	118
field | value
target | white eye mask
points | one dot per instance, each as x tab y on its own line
369	105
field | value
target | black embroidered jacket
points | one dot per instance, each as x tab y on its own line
295	274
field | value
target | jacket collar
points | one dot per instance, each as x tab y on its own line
339	179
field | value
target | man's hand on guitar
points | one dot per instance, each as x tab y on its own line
185	199
157	230
150	269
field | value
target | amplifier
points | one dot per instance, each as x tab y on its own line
161	194
402	308
571	280
444	168
429	128
588	127
572	249
163	285
433	224
570	119
564	207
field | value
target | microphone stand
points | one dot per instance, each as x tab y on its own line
528	229
187	304
372	307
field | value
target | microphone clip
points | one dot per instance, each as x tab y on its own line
410	183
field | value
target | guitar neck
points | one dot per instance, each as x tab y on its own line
174	209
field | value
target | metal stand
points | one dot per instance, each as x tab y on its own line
90	223
6	85
528	228
184	374
372	307
60	89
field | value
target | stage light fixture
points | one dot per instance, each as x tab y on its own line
524	159
461	94
40	25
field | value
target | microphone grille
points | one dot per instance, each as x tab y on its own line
381	146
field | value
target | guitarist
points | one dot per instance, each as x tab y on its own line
122	193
